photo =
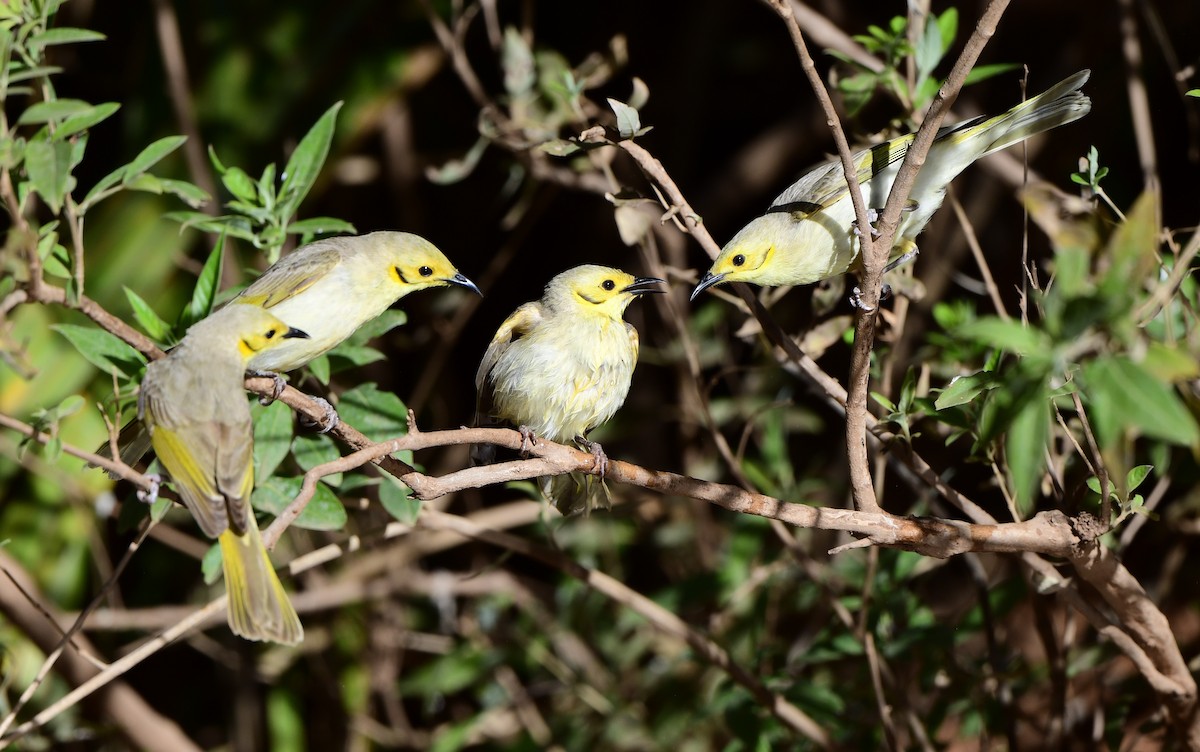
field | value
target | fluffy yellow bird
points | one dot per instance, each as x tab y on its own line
560	367
809	232
194	407
329	288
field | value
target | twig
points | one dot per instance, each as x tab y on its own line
660	617
118	703
77	625
977	251
166	25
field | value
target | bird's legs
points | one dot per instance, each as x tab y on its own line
151	495
601	459
885	292
330	419
528	438
280	383
327	422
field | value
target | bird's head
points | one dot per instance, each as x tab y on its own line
413	263
746	258
255	328
598	290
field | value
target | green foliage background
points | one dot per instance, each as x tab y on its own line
447	639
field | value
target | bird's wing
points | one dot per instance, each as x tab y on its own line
825	185
514	327
189	458
634	340
235	471
520	323
290	277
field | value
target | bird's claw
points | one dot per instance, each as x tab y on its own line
528	439
856	301
277	388
872	218
150	495
600	466
328	421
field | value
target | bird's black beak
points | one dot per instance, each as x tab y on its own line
294	333
459	279
708	280
644	285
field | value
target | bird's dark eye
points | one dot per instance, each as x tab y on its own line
739	259
608	284
270	333
425	271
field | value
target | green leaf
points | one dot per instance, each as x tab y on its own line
446	674
1005	335
159	330
85	120
457	169
929	49
964	389
1123	394
323	512
1025	450
313	450
559	147
320	226
305	163
1193	92
53	111
272	438
947	24
64	35
49	167
210	565
1136	476
240	184
152	155
381	324
319	368
191	195
357	355
101	348
629	121
984	72
1170	363
379	415
397	499
205	290
1133	248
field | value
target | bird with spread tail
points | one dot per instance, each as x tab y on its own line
194	407
560	367
809	233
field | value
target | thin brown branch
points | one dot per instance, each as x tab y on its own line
118	702
657	615
166	25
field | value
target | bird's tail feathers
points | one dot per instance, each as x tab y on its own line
574	493
1058	105
484	454
259	608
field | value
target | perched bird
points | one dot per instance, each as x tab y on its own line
328	288
809	233
193	404
562	366
331	287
